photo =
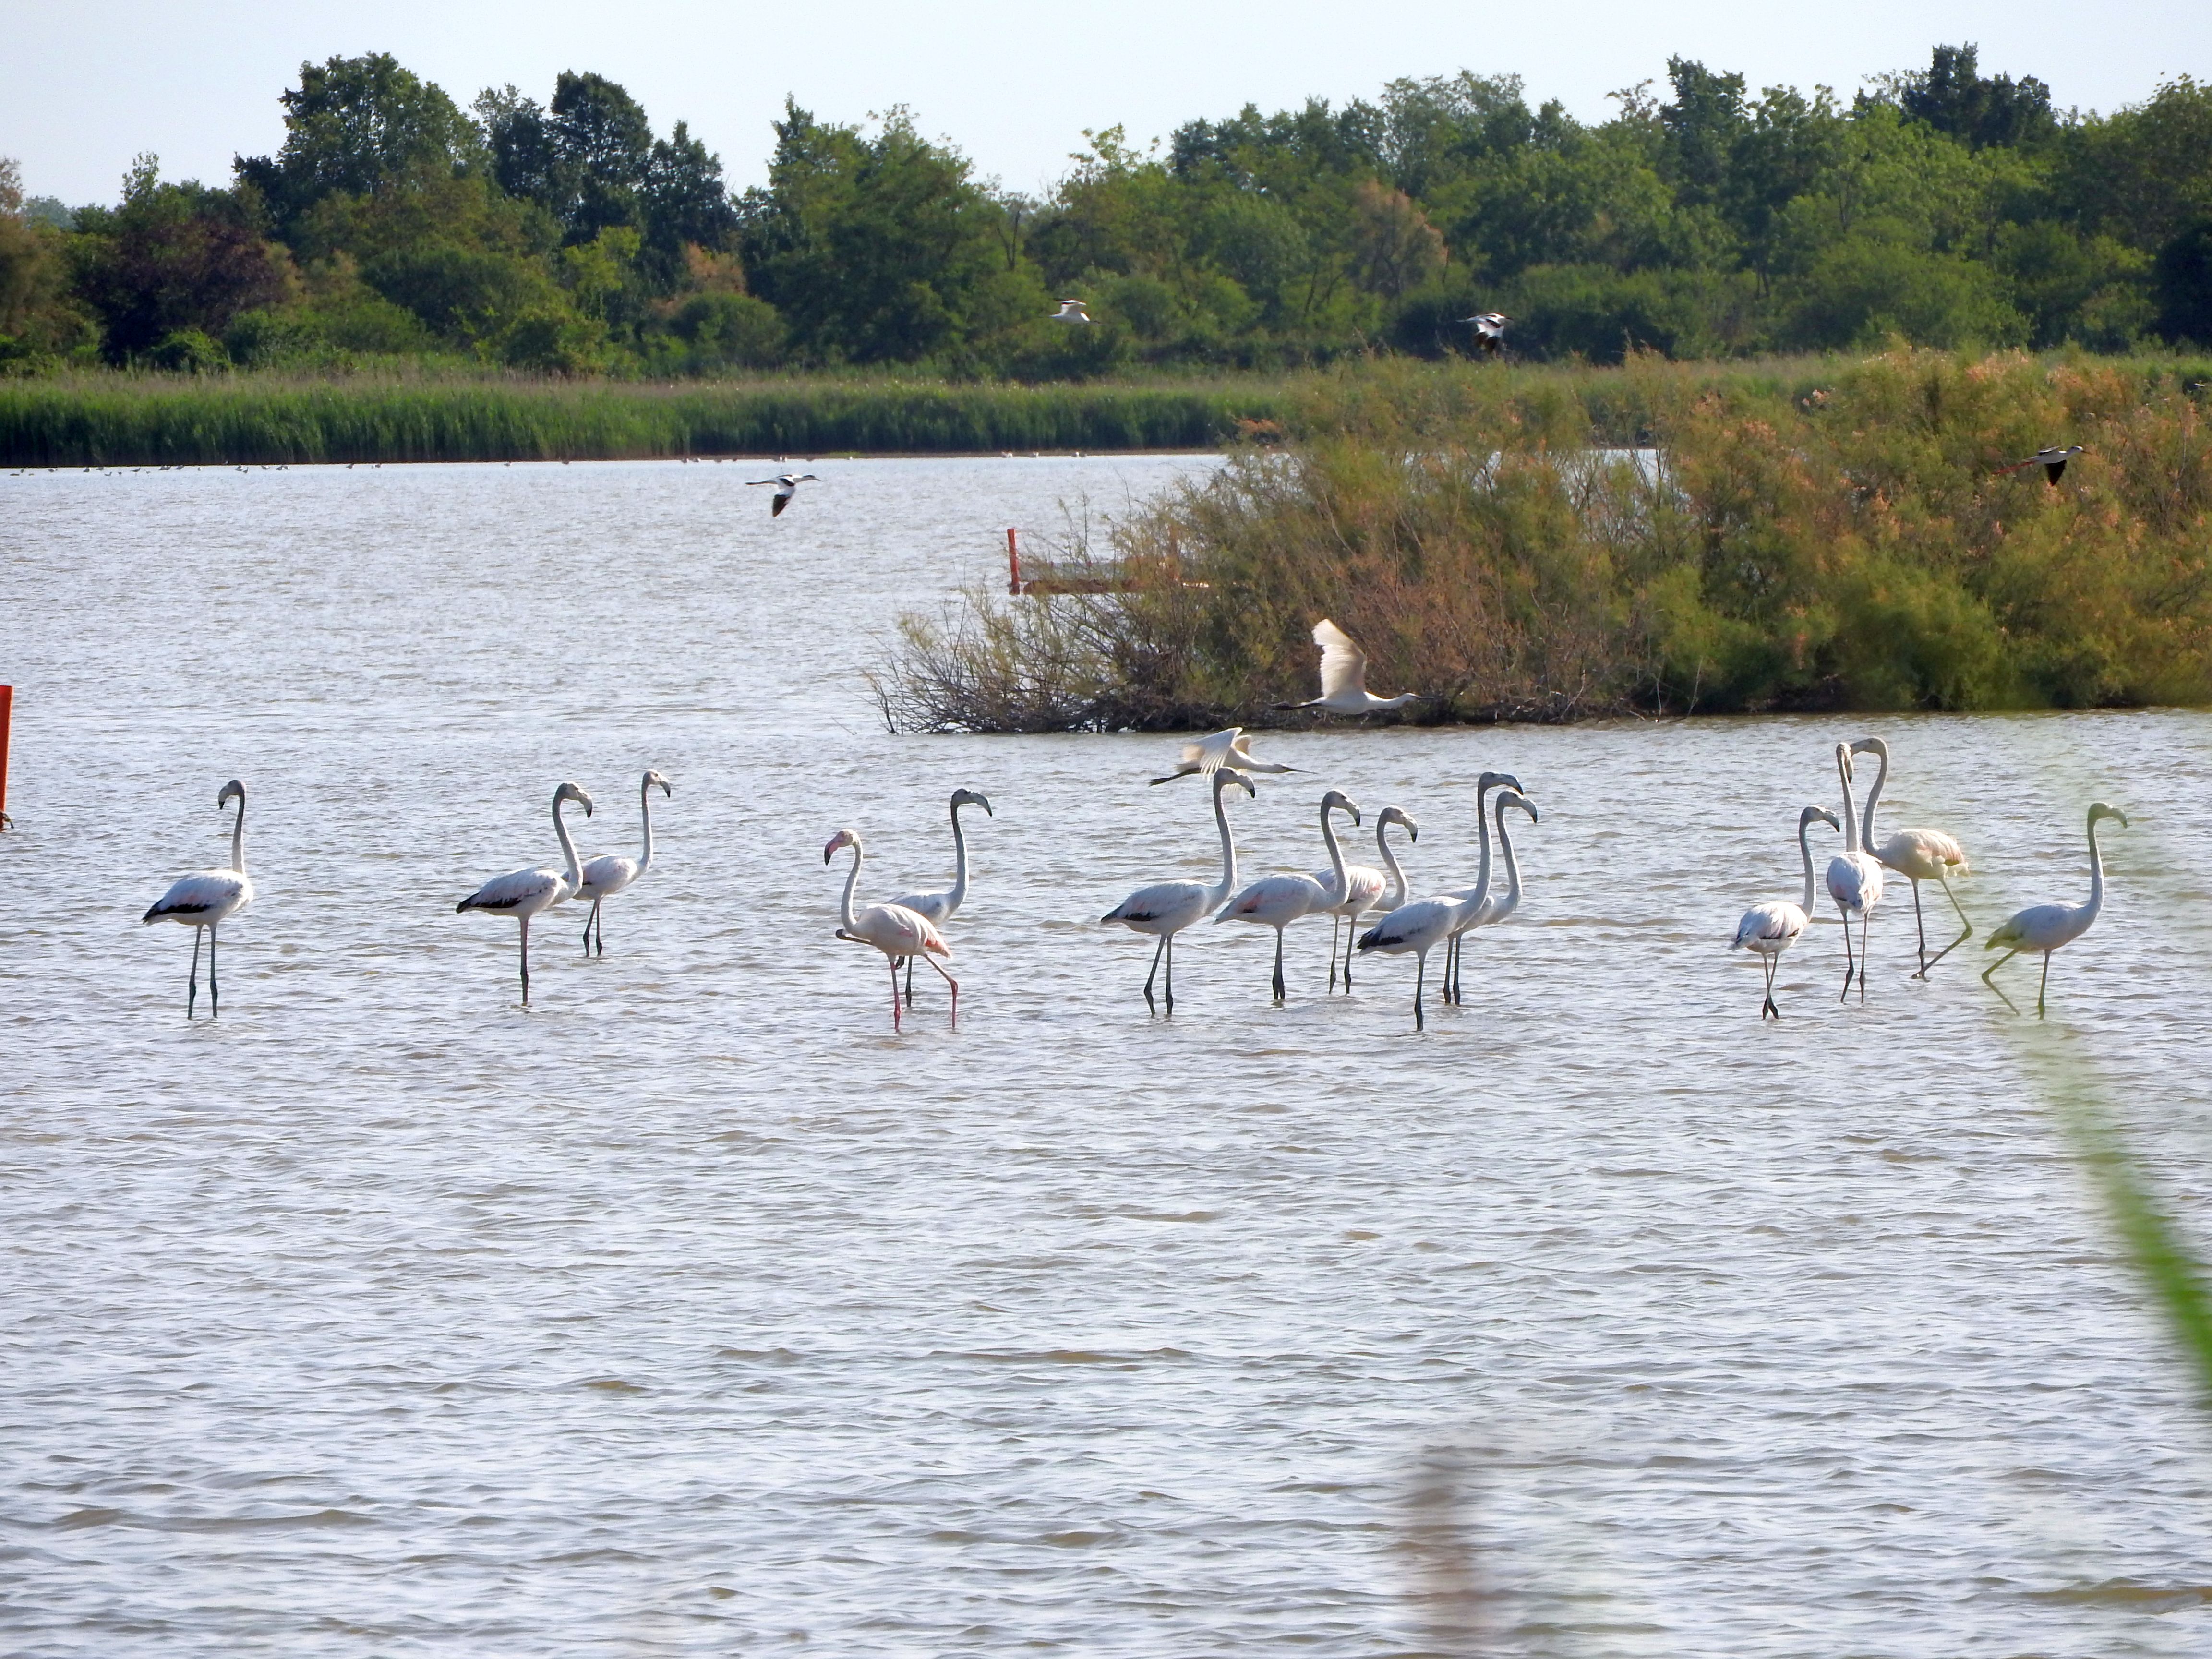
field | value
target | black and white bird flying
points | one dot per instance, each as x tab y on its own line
2053	461
1489	329
787	485
1071	311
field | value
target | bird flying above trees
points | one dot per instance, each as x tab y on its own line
1071	311
1344	676
2053	461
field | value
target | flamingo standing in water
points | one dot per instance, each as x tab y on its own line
1166	907
943	904
608	874
1483	785
204	901
1366	888
1767	930
898	932
2045	927
523	894
1420	927
1918	855
1493	909
1276	901
1854	882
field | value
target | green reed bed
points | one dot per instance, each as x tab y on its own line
139	419
1812	536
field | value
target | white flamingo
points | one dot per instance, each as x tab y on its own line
1344	677
206	899
1918	855
1767	930
945	904
1366	888
1166	907
1231	747
1425	924
1496	907
898	932
608	874
1276	901
2045	927
787	485
1483	785
523	894
1854	881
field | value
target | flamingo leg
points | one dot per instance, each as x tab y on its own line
590	916
2042	986
1967	926
193	984
1350	938
1767	1006
1420	1021
910	982
1850	961
942	975
215	996
1993	985
894	963
1922	927
1279	964
1158	950
1335	924
1170	975
1866	920
526	961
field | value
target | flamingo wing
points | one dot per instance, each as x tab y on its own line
518	890
206	893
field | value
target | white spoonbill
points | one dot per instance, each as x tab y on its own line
608	874
1483	785
1854	881
1166	907
523	894
898	932
2045	928
945	904
1344	676
1496	908
1918	855
202	901
787	485
1231	747
1767	930
1366	888
1425	924
1071	311
1276	901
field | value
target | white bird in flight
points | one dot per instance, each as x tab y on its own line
1166	907
787	485
1344	676
2053	461
1231	747
608	874
523	894
1071	311
943	905
204	900
1767	930
1854	882
898	932
1489	329
2045	927
1918	855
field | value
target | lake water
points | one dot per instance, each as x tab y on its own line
692	1311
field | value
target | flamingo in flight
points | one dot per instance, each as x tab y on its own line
943	905
787	485
1166	907
1231	747
1276	901
206	899
608	874
1344	677
2046	928
898	932
523	894
1854	882
1767	930
1918	855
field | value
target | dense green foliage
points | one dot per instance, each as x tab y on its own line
1846	539
1945	207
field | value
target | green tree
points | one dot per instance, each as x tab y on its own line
1951	96
357	124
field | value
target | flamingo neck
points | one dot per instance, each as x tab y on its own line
2096	872
1511	901
238	837
644	811
1471	898
1228	847
568	849
959	895
1805	848
1850	812
845	918
1874	799
1397	896
1339	888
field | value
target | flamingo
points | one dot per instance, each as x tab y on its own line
1344	677
895	931
2053	463
1166	907
207	899
523	894
1918	855
787	485
945	904
1489	329
1366	888
1426	923
1483	785
1232	746
2045	928
1854	881
1492	910
1071	311
607	875
1767	930
1276	901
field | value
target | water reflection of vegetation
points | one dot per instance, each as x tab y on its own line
1845	543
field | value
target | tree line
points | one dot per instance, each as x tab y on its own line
1941	206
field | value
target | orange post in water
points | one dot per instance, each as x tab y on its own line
1013	563
7	707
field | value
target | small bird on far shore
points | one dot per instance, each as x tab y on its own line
2053	461
787	485
1344	677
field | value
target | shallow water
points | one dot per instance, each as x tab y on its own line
692	1309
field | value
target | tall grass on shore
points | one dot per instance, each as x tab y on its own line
121	419
1845	543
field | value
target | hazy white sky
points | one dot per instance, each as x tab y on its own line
85	84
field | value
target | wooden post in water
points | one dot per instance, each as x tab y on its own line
1013	564
6	708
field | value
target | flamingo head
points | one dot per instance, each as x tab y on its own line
654	779
574	792
232	791
1228	775
1874	746
1513	798
839	842
2101	811
1337	801
972	798
1397	815
1813	815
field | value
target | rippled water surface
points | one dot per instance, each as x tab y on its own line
693	1311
